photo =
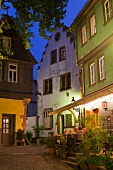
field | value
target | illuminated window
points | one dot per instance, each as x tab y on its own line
12	73
65	81
53	56
48	120
93	25
47	86
62	53
7	42
108	9
92	73
5	125
84	36
101	68
0	71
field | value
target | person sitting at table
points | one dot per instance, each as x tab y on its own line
79	134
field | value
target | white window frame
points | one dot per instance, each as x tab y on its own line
84	35
108	9
13	72
102	68
48	120
93	25
7	42
92	73
0	71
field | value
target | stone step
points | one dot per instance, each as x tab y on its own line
72	159
73	165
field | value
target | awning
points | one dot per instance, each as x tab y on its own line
89	98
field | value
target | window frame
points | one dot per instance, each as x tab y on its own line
62	53
13	72
64	80
6	43
93	25
108	14
54	58
102	71
49	86
84	34
92	73
48	118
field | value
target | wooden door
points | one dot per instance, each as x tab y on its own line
8	129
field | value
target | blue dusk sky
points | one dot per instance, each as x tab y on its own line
73	8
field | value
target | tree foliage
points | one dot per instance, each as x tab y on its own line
48	14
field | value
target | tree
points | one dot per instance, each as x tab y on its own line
48	13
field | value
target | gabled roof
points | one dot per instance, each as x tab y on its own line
20	53
82	14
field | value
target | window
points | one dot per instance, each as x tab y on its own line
108	9
53	56
57	36
7	42
48	120
12	73
93	25
84	37
68	120
101	68
47	84
65	81
62	53
92	73
0	71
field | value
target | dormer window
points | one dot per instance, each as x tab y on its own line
7	42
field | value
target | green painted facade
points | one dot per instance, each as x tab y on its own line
101	44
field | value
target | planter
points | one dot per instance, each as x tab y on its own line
84	167
88	167
51	151
20	143
63	156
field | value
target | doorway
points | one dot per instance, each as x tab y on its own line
8	129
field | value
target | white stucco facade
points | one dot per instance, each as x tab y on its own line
57	98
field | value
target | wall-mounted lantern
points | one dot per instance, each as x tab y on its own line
105	105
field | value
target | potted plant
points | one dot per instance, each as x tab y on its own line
20	136
50	142
91	145
39	130
29	136
62	149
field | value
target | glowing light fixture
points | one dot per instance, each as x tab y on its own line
105	105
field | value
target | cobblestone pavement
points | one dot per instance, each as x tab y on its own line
29	158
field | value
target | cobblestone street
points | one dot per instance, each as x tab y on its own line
29	158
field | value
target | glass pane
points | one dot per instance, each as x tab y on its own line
13	67
3	130
7	130
3	126
3	120
7	120
7	125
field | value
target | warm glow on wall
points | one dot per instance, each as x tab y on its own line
99	100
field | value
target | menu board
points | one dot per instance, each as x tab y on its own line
110	122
